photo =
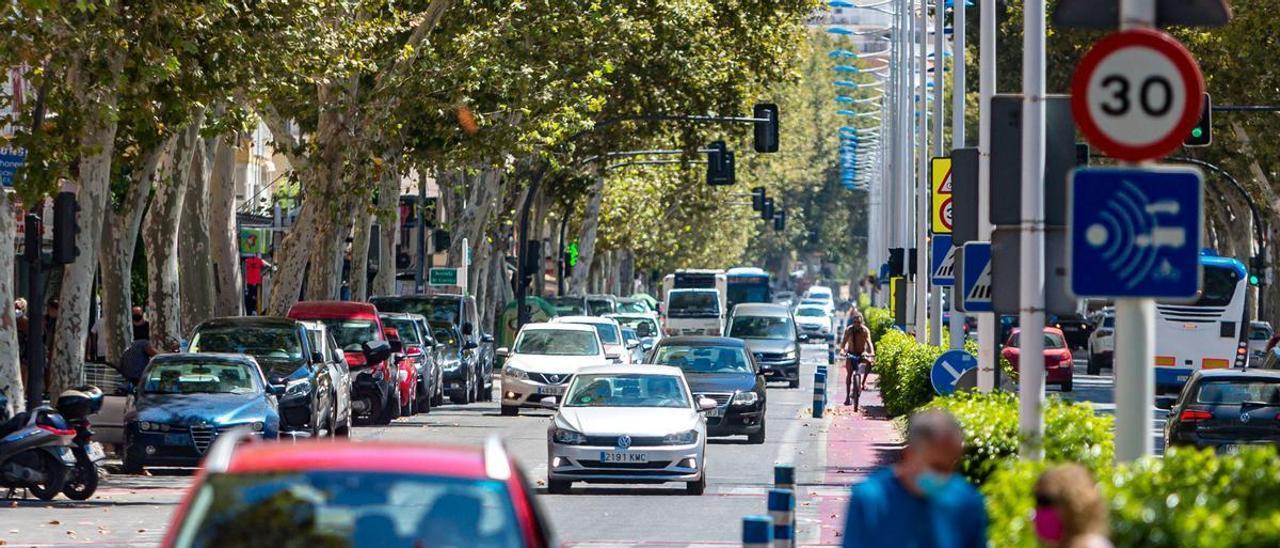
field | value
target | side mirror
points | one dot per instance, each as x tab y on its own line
376	352
470	345
706	404
276	389
647	346
613	356
1166	402
396	345
502	352
549	402
486	338
631	345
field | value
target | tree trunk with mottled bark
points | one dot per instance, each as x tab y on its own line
224	242
10	373
388	212
360	234
159	231
72	326
587	238
194	252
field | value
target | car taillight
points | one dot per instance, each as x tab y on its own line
1193	415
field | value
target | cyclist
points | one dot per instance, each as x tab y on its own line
856	345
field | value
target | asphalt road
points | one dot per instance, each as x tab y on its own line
135	510
1100	390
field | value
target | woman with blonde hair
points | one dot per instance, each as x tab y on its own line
1070	511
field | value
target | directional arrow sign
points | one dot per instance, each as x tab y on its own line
948	368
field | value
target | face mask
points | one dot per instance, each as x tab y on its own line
1048	524
932	483
137	317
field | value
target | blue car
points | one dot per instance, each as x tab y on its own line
184	401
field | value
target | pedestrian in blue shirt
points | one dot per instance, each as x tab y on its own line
919	502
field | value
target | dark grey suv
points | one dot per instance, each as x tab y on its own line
772	337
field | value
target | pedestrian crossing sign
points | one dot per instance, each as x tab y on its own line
975	285
944	260
940	195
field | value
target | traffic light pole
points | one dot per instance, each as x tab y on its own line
1031	241
957	140
35	310
988	358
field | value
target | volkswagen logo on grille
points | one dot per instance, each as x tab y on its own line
624	441
1244	417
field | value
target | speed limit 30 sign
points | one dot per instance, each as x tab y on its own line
1136	94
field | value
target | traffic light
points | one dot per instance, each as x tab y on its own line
1202	134
1257	265
766	132
440	240
912	259
65	228
766	212
896	260
780	221
813	235
719	164
757	198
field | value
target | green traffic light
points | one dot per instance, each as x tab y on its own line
1253	279
1197	132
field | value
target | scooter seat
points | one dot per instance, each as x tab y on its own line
12	425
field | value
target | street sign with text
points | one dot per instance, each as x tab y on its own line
1136	94
1135	232
443	276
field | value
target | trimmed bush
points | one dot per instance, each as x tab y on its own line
1188	498
878	321
1072	432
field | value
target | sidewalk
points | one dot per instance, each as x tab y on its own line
857	443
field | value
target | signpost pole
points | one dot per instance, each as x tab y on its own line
1136	325
939	73
464	271
1031	309
957	139
923	216
987	373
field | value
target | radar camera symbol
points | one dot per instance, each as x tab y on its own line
1130	235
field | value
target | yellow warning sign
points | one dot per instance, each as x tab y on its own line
940	197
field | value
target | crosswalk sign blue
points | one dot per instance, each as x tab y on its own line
975	283
948	368
1135	232
943	260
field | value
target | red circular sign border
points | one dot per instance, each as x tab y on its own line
1163	44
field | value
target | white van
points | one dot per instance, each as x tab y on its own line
693	312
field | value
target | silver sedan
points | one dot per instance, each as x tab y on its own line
621	424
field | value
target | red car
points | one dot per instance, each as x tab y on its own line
1057	357
382	391
317	493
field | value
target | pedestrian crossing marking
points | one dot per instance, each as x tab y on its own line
948	267
981	290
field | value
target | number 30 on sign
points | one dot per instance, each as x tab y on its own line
1136	94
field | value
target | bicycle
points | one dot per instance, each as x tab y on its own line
855	378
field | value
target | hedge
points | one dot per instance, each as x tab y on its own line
1073	432
1189	498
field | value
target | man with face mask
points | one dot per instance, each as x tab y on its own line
919	502
141	327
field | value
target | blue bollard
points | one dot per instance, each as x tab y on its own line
831	352
782	508
757	532
819	394
784	476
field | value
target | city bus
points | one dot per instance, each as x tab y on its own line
748	284
1209	333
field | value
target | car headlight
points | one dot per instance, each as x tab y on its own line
790	354
146	426
256	426
681	438
745	398
298	388
515	373
568	437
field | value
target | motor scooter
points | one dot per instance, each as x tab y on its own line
75	406
35	452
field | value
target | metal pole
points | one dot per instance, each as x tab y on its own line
939	81
1031	242
957	138
923	215
987	364
1135	326
36	362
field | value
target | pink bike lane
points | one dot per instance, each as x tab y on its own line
856	444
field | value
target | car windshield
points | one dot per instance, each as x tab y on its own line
608	332
568	306
557	342
1109	321
703	358
1051	340
693	302
218	377
762	327
810	312
405	328
433	308
444	334
600	307
345	508
614	390
1238	391
1259	333
264	343
350	334
633	307
645	327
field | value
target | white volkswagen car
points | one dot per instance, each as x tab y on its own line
543	359
621	424
610	335
814	323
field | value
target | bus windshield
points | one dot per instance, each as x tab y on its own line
693	304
